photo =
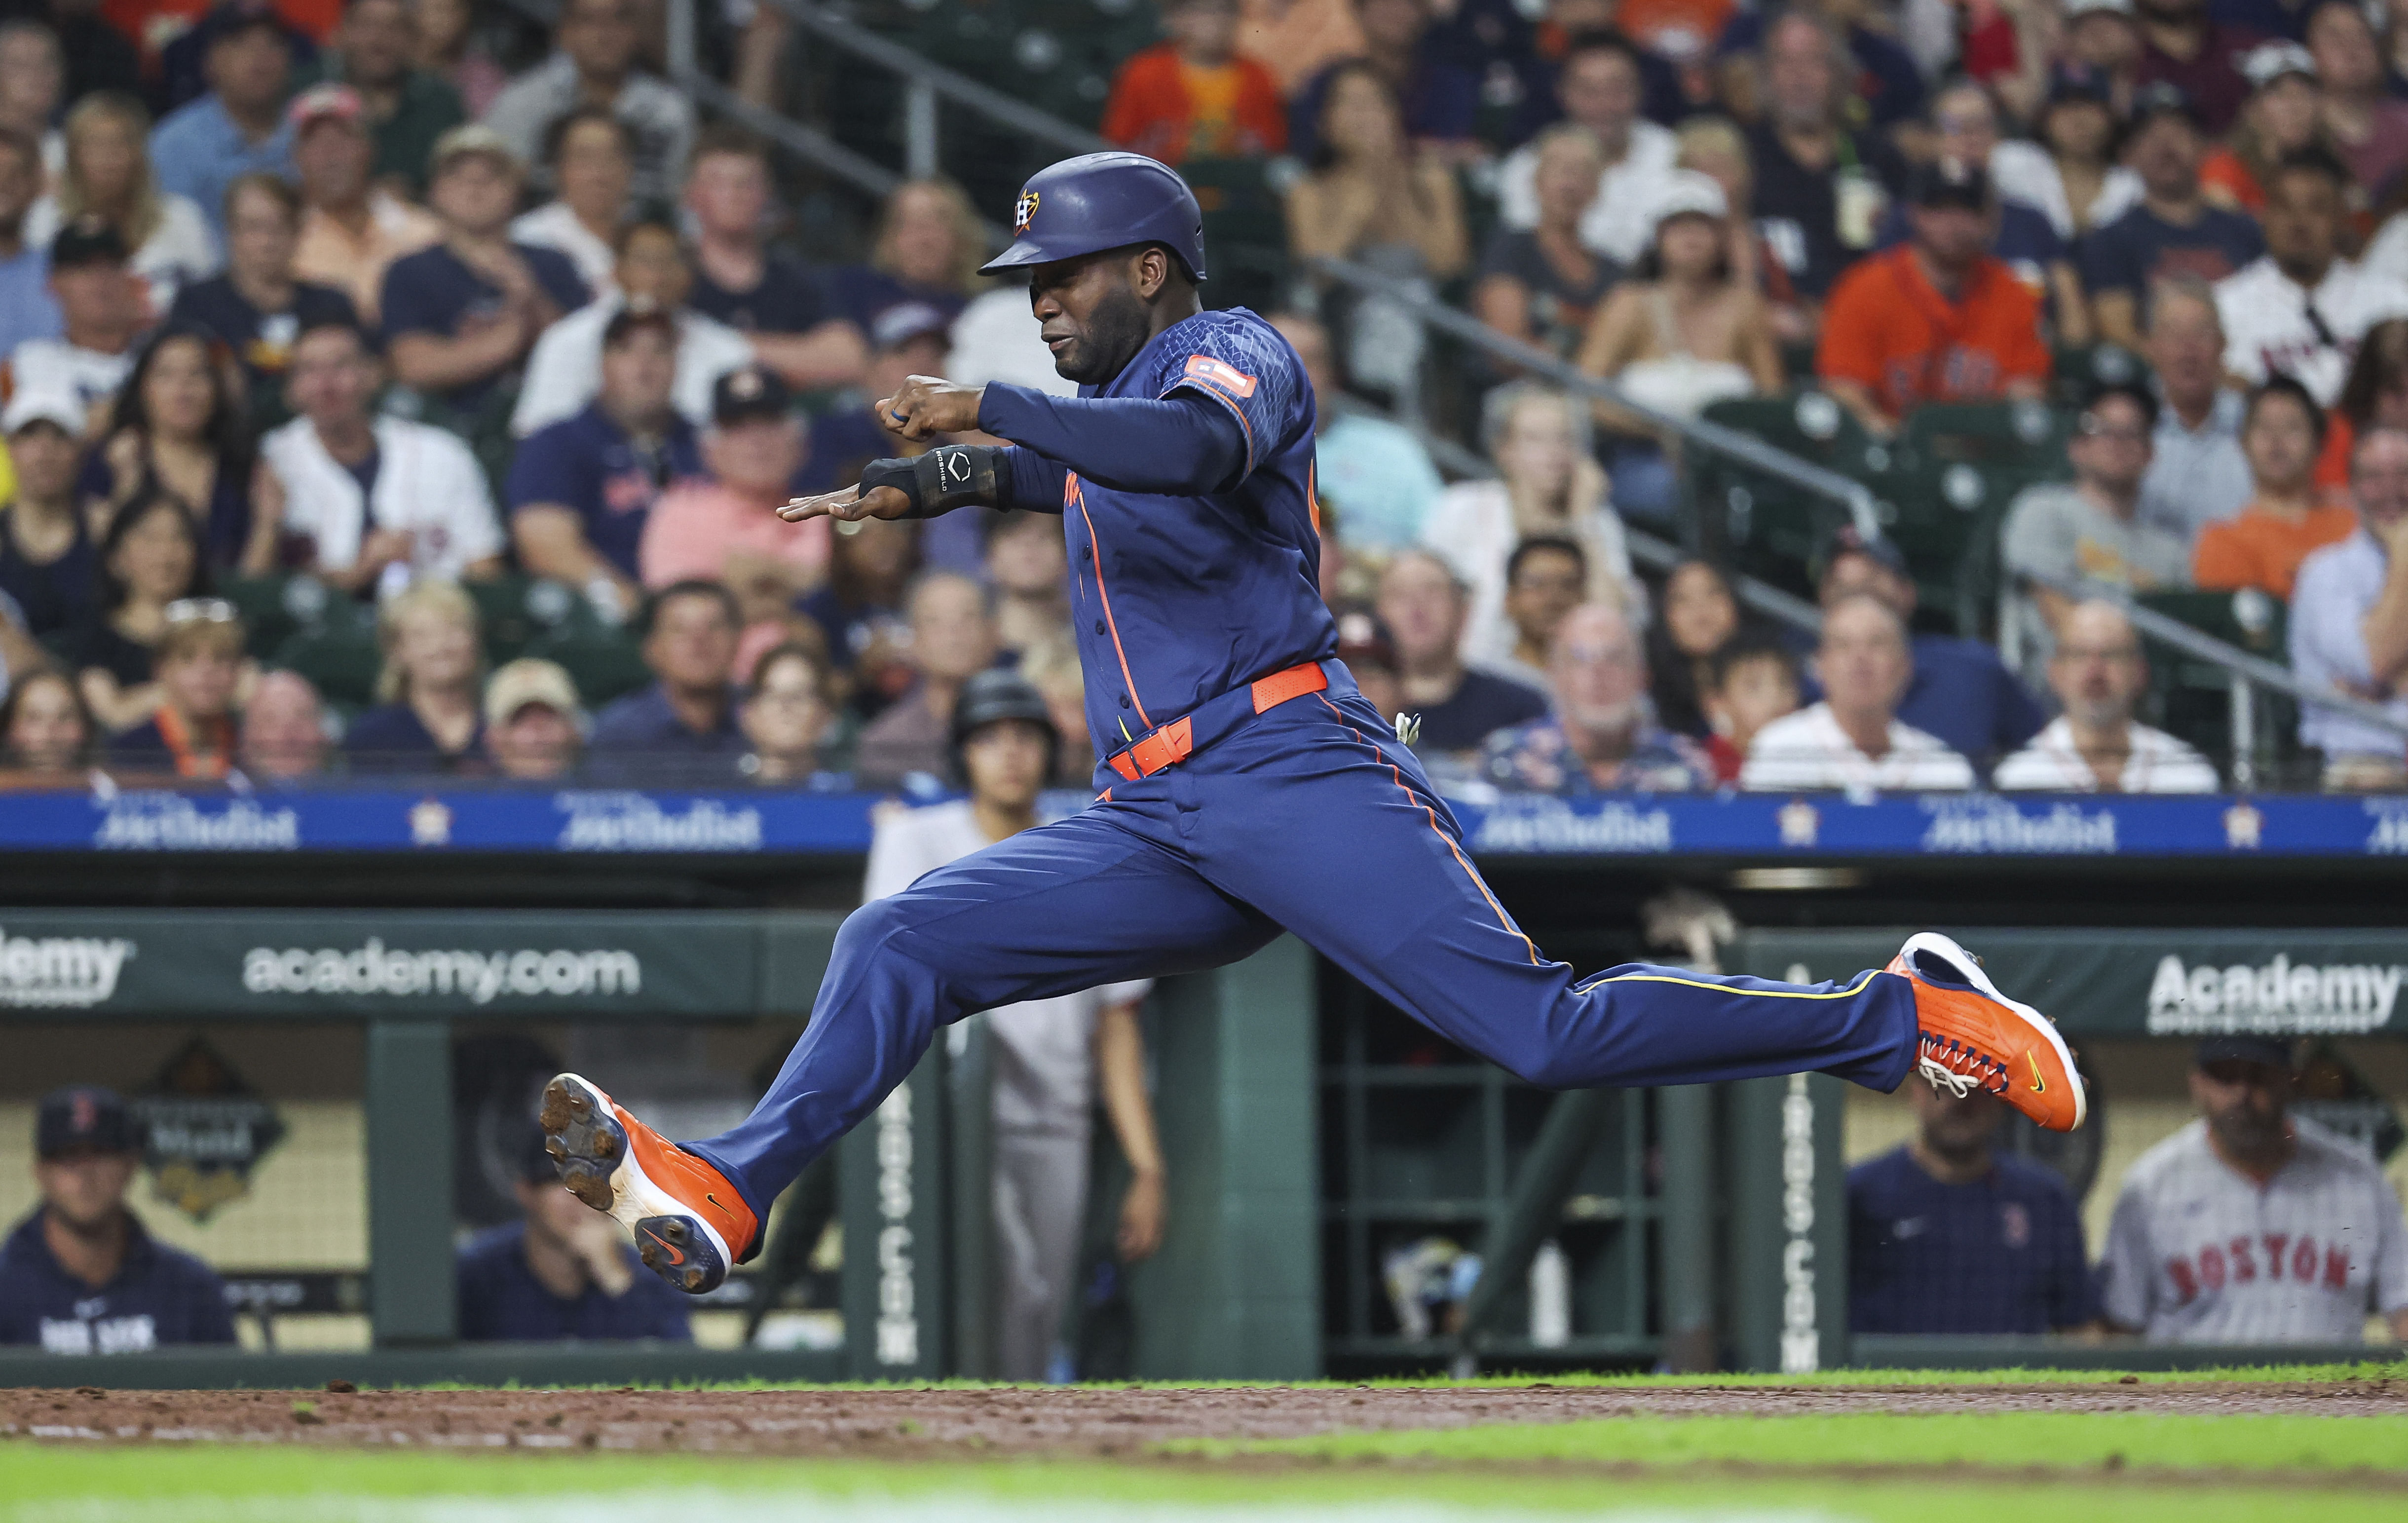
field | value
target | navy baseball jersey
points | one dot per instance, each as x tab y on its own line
159	1296
501	1300
1179	598
2001	1255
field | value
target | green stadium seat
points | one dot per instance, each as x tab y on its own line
341	658
263	603
2026	436
1770	527
2081	367
603	661
2193	699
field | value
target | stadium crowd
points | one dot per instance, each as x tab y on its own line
372	408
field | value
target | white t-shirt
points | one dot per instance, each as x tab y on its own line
1617	223
55	367
181	250
552	226
1808	751
2267	330
2052	763
565	371
1045	1063
2022	171
998	339
1471	528
426	482
2198	1252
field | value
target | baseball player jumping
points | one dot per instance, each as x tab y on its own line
1249	788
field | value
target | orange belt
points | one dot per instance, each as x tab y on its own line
1172	743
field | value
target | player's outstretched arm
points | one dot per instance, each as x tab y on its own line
1186	444
938	482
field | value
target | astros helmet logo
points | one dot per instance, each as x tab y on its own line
1023	214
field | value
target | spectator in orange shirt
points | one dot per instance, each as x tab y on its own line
1936	319
2282	432
1194	98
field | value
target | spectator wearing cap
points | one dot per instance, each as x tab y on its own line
591	156
534	725
564	372
952	639
581	490
560	1272
1541	284
1820	185
46	552
2198	474
198	666
2069	170
1377	472
460	317
1423	606
2287	517
407	108
2253	1224
1853	741
351	228
2285	115
370	497
107	175
2104	36
766	294
910	339
1682	334
1194	96
2349	621
27	308
2172	232
1960	693
1600	734
1439	98
684	725
258	308
2095	745
2181	45
79	1275
2300	309
1936	319
283	737
1951	1235
726	528
238	127
1599	87
2087	531
1965	122
2368	127
596	63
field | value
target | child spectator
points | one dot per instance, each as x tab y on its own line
1194	96
198	665
1754	681
2288	516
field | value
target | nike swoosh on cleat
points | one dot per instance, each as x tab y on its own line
723	1210
675	1256
2040	1085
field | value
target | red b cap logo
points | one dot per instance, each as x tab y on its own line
1023	214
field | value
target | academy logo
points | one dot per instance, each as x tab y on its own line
71	972
479	977
1023	214
2278	996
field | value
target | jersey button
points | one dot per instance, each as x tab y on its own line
1124	700
1099	626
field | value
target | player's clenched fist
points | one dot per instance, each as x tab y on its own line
929	406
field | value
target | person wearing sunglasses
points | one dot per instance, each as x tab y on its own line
199	668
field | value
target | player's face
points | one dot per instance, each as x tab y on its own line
1004	763
2245	1104
1090	313
83	1188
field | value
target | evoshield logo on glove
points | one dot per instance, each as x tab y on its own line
954	467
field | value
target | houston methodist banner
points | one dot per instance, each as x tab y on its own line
580	965
2152	983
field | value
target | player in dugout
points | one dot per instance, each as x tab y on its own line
1248	788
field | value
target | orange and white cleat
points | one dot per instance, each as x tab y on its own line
690	1226
1975	1038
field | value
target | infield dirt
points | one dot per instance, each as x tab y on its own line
961	1422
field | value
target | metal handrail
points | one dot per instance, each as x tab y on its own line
920	73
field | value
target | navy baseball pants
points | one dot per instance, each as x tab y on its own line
1314	819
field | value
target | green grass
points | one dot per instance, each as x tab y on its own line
229	1485
2009	1440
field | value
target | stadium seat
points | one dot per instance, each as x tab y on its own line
340	656
604	663
2193	699
1770	527
263	601
2081	367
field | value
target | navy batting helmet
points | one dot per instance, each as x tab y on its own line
991	697
1099	201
